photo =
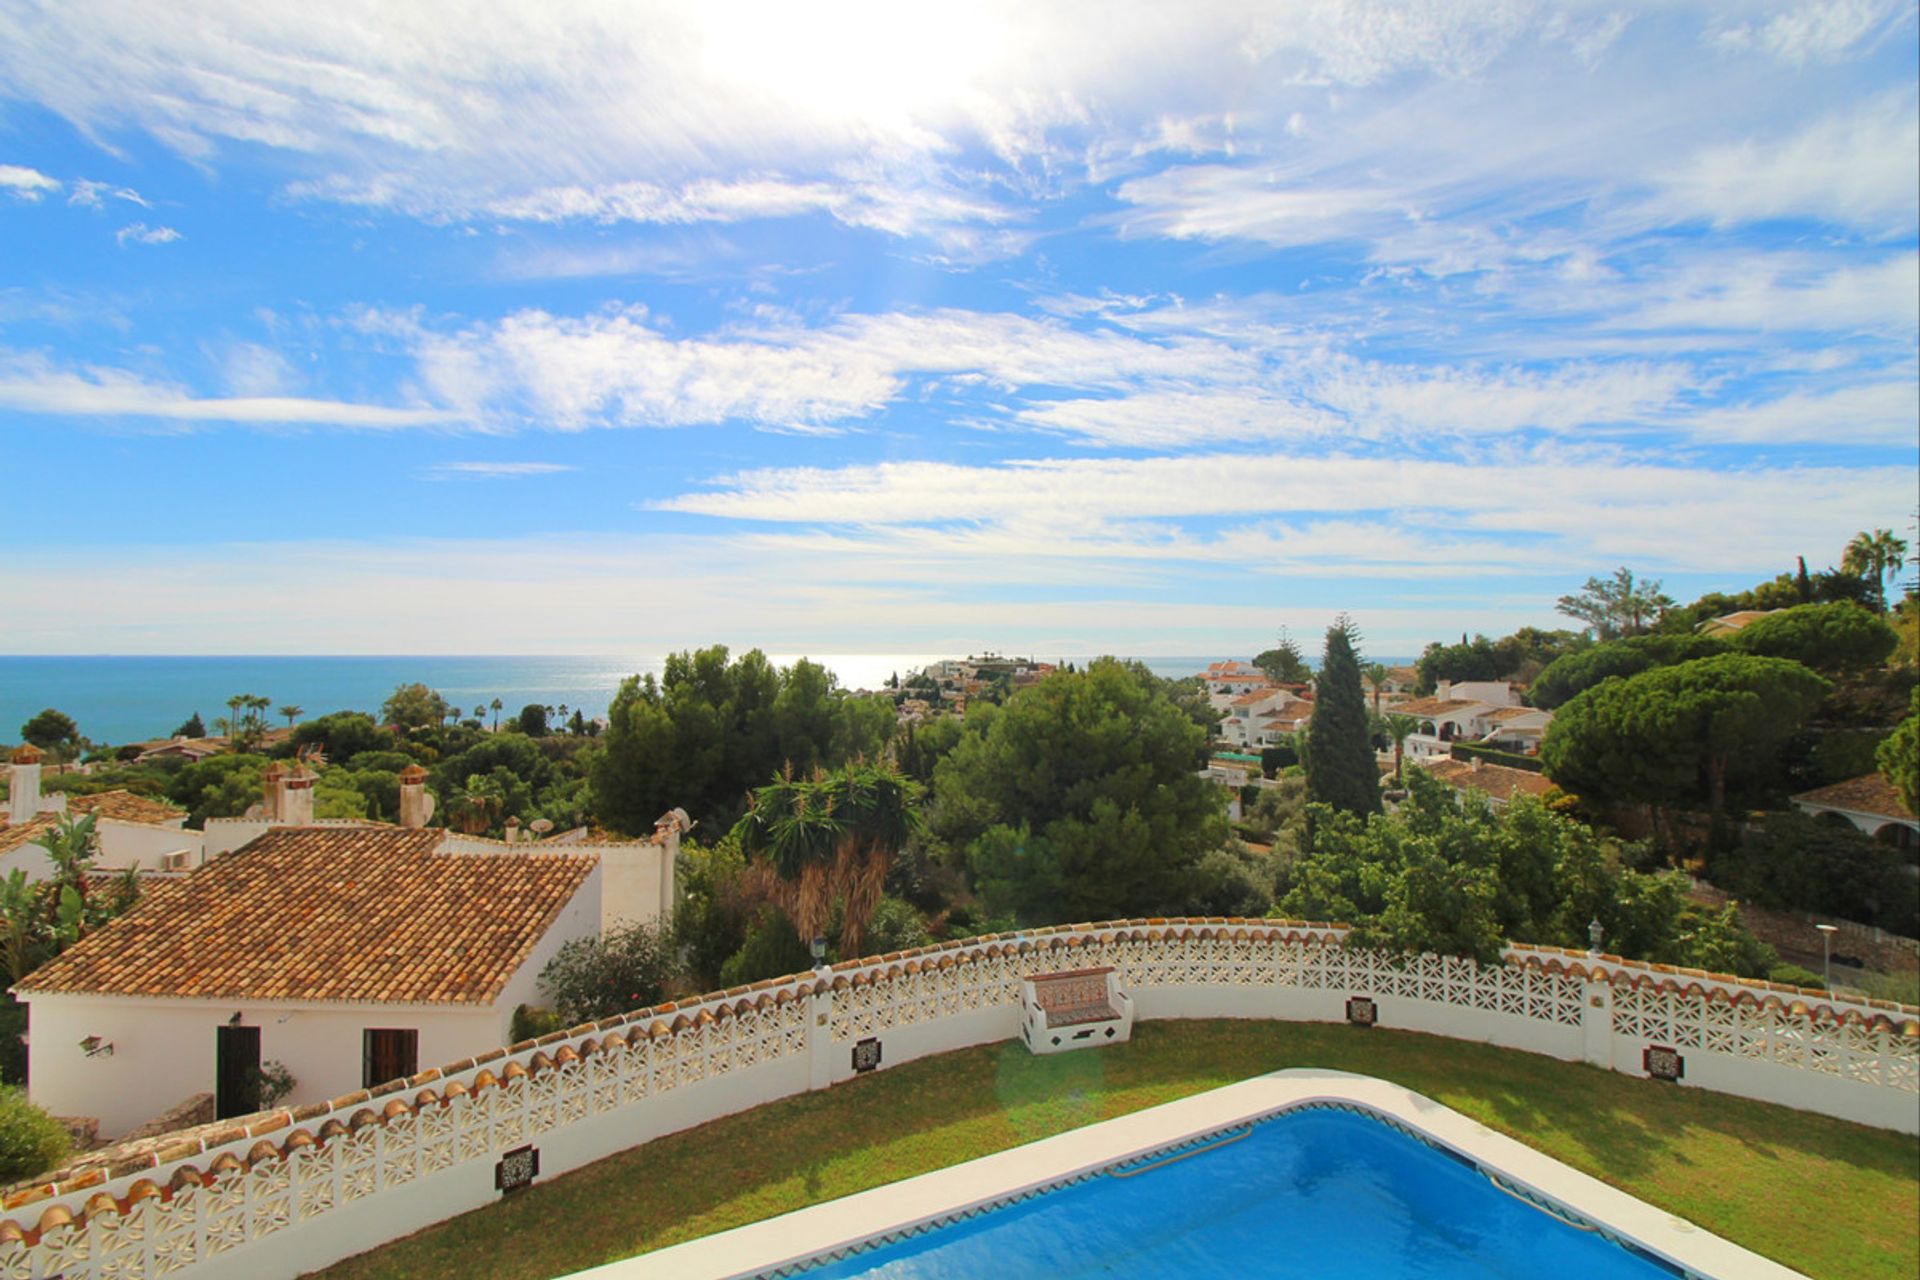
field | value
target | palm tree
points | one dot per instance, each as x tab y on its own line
1878	556
292	713
19	926
879	807
497	704
256	717
1399	728
232	722
1376	674
479	803
792	831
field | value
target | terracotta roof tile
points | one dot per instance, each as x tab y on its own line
1437	706
125	806
1496	780
329	913
1868	793
122	805
1735	621
15	834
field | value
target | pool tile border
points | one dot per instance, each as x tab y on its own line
792	1244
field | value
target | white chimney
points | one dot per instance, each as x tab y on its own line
272	791
416	803
1443	690
513	830
296	799
23	796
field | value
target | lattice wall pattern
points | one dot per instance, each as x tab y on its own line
286	1169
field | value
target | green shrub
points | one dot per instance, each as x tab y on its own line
1839	754
530	1022
895	926
772	950
1826	637
716	904
1791	862
1275	758
1493	755
1794	976
618	971
31	1141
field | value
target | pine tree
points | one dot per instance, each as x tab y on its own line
1340	766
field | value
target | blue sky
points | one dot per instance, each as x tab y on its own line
883	327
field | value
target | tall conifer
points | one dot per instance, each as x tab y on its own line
1340	765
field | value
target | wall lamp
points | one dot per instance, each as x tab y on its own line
95	1047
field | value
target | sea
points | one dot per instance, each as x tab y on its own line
131	699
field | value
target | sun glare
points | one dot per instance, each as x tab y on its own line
888	66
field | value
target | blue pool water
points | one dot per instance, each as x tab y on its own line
1317	1193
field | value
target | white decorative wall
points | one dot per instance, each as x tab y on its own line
291	1191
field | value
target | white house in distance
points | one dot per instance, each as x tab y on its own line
1260	717
1226	681
1727	624
352	953
131	830
1483	711
1871	804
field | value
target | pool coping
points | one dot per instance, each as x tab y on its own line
823	1231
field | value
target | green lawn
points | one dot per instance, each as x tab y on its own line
1823	1196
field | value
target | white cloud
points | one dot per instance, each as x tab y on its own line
494	470
94	195
1490	402
1164	386
618	369
1664	517
249	369
1821	31
918	120
312	595
1860	166
1756	293
953	219
29	385
1217	202
1180	419
25	184
141	233
1872	413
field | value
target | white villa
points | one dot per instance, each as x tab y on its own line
1262	716
1727	624
352	953
131	830
1226	681
1871	805
1484	712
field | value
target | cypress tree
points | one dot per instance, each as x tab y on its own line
1340	766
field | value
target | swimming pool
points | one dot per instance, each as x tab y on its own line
1311	1192
1439	1188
